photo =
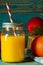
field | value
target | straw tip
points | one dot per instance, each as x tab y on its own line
6	3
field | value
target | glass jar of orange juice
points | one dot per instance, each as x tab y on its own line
12	43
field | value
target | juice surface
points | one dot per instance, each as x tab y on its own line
12	48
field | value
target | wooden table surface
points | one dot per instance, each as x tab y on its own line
21	63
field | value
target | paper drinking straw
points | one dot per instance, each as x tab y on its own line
9	12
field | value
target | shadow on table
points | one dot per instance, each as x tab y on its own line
26	60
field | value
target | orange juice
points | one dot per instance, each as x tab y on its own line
12	48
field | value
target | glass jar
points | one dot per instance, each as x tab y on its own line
12	43
30	40
19	29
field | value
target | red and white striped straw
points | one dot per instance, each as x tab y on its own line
9	12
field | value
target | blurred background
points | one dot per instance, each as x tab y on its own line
22	11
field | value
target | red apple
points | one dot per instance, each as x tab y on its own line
33	23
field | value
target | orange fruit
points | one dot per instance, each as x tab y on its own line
37	46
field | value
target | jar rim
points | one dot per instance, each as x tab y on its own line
18	24
8	24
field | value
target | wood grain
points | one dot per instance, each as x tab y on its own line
22	6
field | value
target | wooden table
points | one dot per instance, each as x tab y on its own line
21	63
